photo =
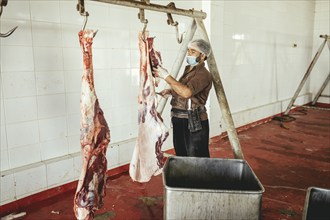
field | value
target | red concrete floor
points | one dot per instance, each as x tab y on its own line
287	160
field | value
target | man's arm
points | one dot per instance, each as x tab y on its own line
179	88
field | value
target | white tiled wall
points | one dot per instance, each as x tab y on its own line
322	66
41	66
253	44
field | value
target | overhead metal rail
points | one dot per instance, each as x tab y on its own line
197	22
154	7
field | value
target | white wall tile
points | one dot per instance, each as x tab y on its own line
70	35
73	103
50	82
97	9
102	79
48	59
101	40
126	152
7	188
18	58
52	128
21	109
74	144
101	58
2	112
113	156
19	10
60	172
18	84
73	124
123	19
321	26
45	11
46	34
117	119
77	166
123	132
73	59
118	39
73	81
24	155
119	58
69	16
20	134
51	105
3	136
54	148
4	163
135	59
30	181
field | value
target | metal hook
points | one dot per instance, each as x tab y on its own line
144	29
9	32
171	22
4	3
144	21
81	9
85	21
178	37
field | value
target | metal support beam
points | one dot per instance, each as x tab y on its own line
317	96
154	7
179	60
219	90
318	53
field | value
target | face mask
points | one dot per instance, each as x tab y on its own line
192	61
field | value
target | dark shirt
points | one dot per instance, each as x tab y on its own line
199	81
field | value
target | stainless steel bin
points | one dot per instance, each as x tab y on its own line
210	188
317	204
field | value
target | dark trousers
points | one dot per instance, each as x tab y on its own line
192	144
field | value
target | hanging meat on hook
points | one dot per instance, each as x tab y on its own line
94	140
147	157
154	58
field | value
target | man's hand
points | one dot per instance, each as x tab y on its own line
165	93
161	72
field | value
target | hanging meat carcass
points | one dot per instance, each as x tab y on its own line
94	140
147	157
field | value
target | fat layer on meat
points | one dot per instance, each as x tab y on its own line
94	140
147	159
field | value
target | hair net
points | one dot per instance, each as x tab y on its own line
201	46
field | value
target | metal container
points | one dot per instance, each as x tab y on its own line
210	188
317	204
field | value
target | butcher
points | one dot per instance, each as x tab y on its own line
189	96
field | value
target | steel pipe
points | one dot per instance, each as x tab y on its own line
220	92
325	83
154	7
179	60
318	53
